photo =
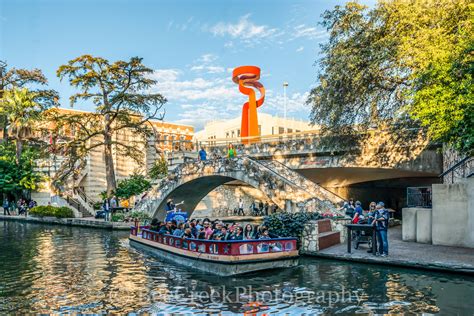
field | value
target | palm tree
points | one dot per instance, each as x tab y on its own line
23	112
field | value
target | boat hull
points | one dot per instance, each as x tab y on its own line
219	265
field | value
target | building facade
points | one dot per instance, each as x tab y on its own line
267	125
90	178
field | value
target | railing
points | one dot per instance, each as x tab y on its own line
419	197
460	170
219	247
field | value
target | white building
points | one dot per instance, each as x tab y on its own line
267	125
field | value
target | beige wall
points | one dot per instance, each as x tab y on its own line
269	125
453	214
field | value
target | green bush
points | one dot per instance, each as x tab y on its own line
142	216
286	224
53	211
118	217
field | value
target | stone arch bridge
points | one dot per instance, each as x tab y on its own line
191	181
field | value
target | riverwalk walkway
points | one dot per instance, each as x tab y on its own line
408	254
82	222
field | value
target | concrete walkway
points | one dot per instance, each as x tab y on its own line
82	222
408	254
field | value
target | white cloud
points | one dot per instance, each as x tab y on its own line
310	32
243	29
176	90
300	49
205	64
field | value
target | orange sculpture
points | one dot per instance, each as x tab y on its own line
247	78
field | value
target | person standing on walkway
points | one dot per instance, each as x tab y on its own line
241	207
106	208
202	155
6	207
381	226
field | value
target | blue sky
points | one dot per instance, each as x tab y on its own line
192	46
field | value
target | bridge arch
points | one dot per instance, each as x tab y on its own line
191	181
193	188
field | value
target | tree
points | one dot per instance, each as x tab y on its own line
397	63
120	93
18	78
159	169
23	109
131	186
16	177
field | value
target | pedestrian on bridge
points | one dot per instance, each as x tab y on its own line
202	154
231	152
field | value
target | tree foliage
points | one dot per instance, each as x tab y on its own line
134	185
159	169
24	111
17	177
120	92
402	61
19	78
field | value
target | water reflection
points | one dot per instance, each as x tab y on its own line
62	269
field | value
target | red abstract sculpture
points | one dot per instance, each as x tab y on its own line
245	77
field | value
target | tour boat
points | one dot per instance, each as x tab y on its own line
215	256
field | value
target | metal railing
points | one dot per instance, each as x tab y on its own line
419	197
460	170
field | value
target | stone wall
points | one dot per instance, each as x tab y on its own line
310	235
338	225
221	201
309	238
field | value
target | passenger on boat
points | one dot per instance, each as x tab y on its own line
155	225
249	232
179	231
201	234
238	234
188	233
208	230
166	229
265	234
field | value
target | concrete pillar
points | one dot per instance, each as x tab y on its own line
423	225
409	223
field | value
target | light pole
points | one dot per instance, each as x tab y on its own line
285	84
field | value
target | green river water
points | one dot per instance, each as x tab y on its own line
57	269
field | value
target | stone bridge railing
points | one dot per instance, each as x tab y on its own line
278	182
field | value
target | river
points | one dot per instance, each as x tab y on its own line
46	269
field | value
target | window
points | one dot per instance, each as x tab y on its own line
185	244
213	249
165	138
238	133
193	246
288	246
263	248
276	247
177	243
290	130
246	249
202	248
281	130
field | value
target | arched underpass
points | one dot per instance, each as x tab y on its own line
371	184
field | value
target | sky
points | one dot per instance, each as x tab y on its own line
192	46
